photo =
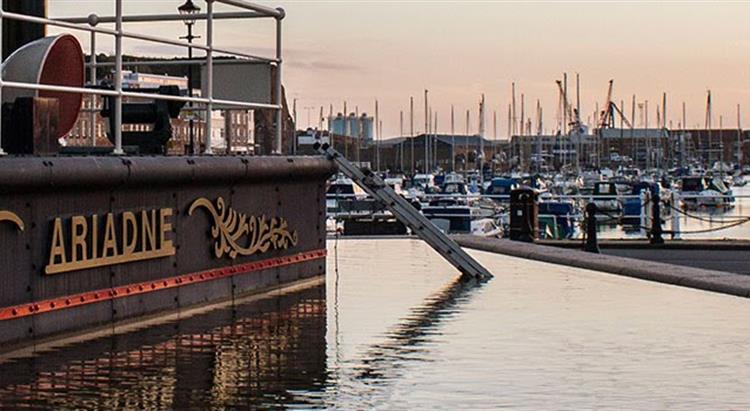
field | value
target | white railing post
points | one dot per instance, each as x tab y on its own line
279	100
209	75
675	215
92	74
644	211
117	112
2	152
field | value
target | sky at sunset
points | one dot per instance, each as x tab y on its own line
360	51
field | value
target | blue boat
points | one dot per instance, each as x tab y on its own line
501	187
631	208
557	219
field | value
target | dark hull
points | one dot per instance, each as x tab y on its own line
176	238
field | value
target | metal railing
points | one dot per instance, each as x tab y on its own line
90	24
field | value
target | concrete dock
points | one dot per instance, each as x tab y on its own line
693	277
723	255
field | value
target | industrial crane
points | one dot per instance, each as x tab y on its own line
607	118
572	113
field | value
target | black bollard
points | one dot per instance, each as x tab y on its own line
591	245
524	211
656	230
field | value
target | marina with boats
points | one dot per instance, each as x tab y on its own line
623	199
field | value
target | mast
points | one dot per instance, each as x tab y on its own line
380	133
411	134
401	135
358	139
494	138
683	135
522	120
426	130
481	139
577	121
346	132
428	152
434	141
648	140
565	117
667	151
721	146
633	141
513	100
377	136
538	135
708	125
466	155
453	140
739	139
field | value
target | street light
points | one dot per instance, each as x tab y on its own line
189	10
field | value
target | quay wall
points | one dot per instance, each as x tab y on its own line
691	277
87	242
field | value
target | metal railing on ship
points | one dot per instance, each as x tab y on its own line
90	24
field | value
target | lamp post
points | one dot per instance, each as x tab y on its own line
189	10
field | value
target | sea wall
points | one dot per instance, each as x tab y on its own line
91	241
691	277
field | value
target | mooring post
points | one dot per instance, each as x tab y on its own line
656	230
592	243
524	210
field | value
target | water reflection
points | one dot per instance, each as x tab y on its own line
255	355
404	342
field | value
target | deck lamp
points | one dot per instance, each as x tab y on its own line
189	10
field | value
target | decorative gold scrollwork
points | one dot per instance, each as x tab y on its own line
229	226
13	218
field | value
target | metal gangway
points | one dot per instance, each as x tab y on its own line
407	214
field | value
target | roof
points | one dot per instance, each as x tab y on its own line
459	139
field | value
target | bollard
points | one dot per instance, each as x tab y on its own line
524	210
656	230
592	244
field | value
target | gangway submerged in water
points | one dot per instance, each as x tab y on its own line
407	214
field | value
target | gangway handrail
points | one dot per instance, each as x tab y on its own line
407	214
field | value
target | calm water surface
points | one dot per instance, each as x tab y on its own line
393	329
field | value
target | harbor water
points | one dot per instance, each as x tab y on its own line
393	328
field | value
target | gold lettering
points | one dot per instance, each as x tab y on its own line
110	240
94	236
58	244
166	227
78	232
111	254
148	230
129	236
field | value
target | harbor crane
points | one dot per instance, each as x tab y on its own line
572	113
607	117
